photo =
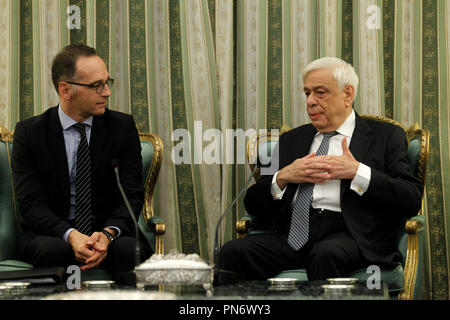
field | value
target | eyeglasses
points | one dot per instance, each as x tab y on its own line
98	87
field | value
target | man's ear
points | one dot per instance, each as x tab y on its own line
349	93
65	90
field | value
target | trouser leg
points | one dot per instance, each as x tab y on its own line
122	252
258	257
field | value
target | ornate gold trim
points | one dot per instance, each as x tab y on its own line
410	267
414	226
252	147
242	227
8	137
150	182
383	119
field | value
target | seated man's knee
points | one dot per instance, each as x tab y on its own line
326	260
51	252
121	255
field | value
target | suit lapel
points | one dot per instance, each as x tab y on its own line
362	139
97	141
303	141
57	151
360	144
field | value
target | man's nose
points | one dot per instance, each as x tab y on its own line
106	92
311	100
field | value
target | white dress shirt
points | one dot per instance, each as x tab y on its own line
327	195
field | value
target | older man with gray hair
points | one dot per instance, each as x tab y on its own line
344	185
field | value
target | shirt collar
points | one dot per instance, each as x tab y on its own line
348	126
67	122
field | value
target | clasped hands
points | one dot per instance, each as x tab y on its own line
89	250
318	169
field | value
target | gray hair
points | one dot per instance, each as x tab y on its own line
344	73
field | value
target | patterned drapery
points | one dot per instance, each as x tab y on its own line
236	64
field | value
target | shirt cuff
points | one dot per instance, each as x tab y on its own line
117	229
361	181
275	190
66	235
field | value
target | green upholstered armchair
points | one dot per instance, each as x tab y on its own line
404	281
153	227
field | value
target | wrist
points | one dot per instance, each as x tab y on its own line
280	181
109	235
112	231
71	235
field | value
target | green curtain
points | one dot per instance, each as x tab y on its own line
236	64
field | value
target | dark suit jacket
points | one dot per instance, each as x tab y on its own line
41	174
373	219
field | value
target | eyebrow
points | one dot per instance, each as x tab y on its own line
316	87
101	81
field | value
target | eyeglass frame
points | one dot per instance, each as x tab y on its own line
100	86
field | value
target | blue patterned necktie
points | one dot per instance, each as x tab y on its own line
299	231
83	212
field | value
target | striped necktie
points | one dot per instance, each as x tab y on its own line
299	230
83	212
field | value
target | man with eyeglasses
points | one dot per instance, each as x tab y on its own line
69	200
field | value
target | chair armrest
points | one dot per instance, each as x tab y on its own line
253	225
414	227
243	226
415	224
158	225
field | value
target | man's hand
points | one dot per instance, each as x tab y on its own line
299	171
99	242
90	251
318	169
334	167
80	247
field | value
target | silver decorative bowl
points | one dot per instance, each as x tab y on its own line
173	268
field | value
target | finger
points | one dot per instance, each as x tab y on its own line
93	239
313	180
97	255
345	148
318	159
80	257
309	156
100	246
93	263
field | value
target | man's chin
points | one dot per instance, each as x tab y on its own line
100	110
318	124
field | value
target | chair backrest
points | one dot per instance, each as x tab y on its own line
151	151
260	148
9	220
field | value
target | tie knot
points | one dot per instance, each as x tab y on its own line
80	128
328	135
